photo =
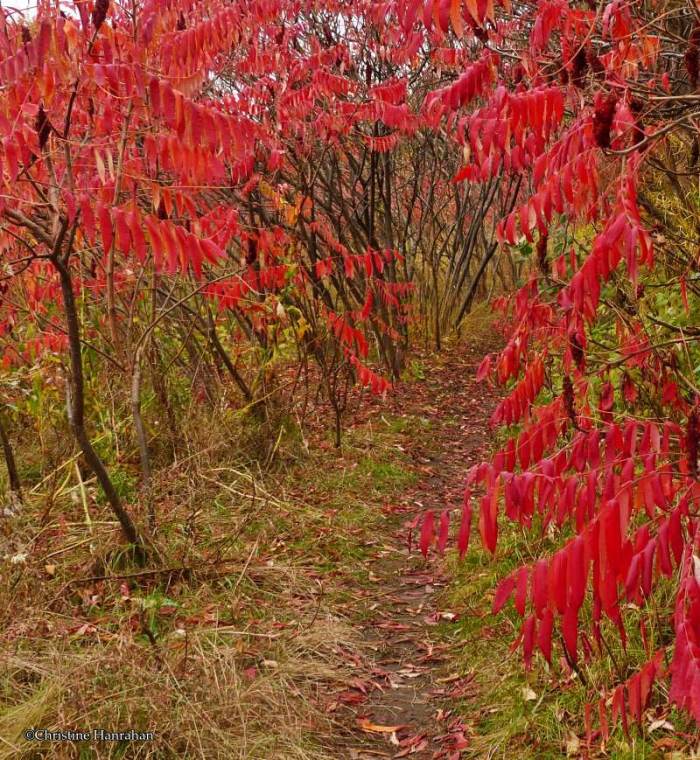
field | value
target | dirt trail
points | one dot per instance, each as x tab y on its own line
412	685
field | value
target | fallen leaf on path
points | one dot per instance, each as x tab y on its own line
411	745
392	625
373	728
459	741
453	677
412	750
350	697
436	617
359	684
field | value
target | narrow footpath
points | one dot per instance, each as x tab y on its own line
409	711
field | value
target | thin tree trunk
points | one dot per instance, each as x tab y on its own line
75	402
436	296
158	381
200	365
338	427
12	474
476	281
491	250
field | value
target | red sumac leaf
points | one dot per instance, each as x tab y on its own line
137	236
632	580
105	221
465	526
663	555
603	720
427	532
634	698
88	217
484	368
557	582
123	237
577	573
648	566
675	535
488	519
619	709
503	593
539	587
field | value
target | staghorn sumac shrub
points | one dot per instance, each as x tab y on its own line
244	180
221	182
594	105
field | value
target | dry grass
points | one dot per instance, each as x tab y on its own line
232	641
228	650
193	692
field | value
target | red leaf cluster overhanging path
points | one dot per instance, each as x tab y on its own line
402	702
584	103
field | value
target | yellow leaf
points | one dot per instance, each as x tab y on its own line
302	327
573	745
155	194
100	164
366	725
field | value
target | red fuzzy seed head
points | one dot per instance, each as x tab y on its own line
577	353
692	56
99	13
568	396
42	126
579	68
603	119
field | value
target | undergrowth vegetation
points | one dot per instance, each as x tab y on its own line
231	646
